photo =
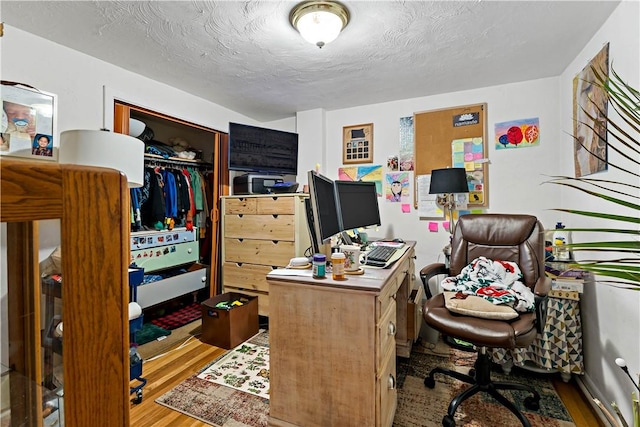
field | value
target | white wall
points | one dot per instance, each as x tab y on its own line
611	317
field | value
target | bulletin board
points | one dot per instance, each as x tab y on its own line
436	131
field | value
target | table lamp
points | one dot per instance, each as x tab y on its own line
104	149
446	182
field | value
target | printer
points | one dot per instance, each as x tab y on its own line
255	184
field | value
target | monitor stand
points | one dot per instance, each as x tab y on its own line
346	239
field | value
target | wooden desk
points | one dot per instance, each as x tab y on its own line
333	346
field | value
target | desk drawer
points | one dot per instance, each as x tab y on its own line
276	205
240	205
268	227
261	252
388	294
162	257
387	392
414	313
386	334
248	276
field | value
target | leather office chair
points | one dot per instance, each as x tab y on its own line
515	238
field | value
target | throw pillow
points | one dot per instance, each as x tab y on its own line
478	307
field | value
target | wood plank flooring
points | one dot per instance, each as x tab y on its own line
164	373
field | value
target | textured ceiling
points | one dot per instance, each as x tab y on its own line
245	55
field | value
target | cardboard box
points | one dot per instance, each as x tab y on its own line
227	328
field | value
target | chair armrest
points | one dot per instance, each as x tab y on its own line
428	272
540	290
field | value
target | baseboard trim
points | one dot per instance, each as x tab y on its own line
581	381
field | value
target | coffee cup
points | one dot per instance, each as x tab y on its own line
352	257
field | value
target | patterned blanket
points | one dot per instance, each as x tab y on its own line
496	281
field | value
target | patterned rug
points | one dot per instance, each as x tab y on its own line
245	368
418	406
479	410
179	317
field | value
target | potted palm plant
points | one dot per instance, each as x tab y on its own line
620	263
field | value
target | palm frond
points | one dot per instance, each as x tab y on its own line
622	135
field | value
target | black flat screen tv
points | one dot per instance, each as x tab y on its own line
262	150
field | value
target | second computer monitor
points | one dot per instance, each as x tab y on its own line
357	204
324	221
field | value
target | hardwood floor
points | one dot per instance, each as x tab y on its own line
164	373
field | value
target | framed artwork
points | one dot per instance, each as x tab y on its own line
28	127
363	173
357	144
590	117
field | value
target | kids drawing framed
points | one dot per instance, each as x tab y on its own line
28	126
357	144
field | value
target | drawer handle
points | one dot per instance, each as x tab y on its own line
392	382
203	279
240	240
275	242
392	329
189	250
239	264
240	215
275	216
393	297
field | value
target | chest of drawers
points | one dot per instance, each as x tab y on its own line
260	233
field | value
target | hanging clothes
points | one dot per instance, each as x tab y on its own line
170	194
153	210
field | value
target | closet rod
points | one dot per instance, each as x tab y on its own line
148	160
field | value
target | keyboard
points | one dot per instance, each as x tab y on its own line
380	256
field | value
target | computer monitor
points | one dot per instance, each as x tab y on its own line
357	204
324	221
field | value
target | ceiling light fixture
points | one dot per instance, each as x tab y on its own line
319	22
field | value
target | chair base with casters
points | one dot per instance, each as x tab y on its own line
480	378
518	239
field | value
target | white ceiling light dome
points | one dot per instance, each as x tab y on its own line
319	22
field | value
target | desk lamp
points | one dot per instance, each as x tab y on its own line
105	149
445	183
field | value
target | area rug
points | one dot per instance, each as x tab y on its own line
217	404
245	368
150	332
418	406
421	406
179	317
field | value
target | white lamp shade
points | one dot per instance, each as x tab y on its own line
136	127
104	149
319	27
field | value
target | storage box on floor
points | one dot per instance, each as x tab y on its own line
227	328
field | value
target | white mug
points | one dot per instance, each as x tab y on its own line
352	257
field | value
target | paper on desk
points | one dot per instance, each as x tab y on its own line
290	272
